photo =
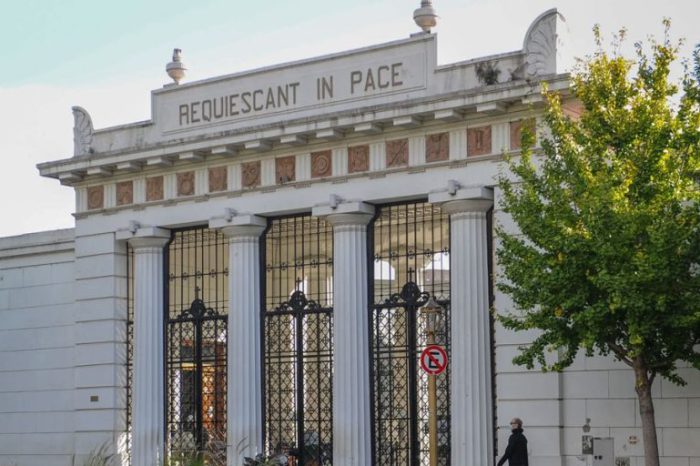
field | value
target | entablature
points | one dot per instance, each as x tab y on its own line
463	106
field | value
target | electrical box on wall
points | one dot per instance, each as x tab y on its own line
603	452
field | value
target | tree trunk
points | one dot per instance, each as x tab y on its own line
642	384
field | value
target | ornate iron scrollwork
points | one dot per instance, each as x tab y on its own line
407	239
298	339
196	345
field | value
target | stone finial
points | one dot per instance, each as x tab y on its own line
543	44
176	69
425	16
82	132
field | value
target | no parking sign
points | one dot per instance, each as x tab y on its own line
433	359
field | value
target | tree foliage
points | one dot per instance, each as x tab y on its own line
608	255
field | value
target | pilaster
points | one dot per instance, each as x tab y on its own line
244	410
352	441
99	354
471	397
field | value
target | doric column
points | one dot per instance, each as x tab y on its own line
352	440
471	398
244	410
147	424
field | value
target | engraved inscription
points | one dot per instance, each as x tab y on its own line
250	174
185	183
154	188
479	140
372	79
358	159
223	107
397	153
95	197
285	169
321	164
218	180
266	94
125	193
437	147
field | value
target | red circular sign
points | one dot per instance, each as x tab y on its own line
433	359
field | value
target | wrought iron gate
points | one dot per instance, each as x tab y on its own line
411	263
298	339
196	345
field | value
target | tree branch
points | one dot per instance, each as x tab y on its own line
620	353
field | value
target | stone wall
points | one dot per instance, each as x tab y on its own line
37	336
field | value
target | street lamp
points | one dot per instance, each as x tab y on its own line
432	312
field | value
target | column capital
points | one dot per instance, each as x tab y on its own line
464	199
240	226
145	237
346	213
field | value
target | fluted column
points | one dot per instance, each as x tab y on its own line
471	397
352	440
244	410
147	424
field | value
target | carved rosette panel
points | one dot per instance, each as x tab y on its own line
185	184
218	179
95	197
516	132
479	140
285	169
250	174
321	164
358	159
125	193
397	153
516	128
573	109
154	188
437	147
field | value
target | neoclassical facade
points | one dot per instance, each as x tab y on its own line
249	268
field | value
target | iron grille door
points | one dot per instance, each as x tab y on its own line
196	345
411	263
197	361
298	339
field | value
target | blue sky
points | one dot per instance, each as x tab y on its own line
107	56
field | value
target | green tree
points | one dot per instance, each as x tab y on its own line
608	256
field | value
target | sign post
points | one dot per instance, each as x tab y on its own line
433	360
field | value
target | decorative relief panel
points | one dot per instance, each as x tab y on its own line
285	169
437	147
573	109
397	153
516	131
358	159
154	188
218	179
321	164
185	184
95	197
250	174
125	193
479	140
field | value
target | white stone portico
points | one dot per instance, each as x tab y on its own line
336	139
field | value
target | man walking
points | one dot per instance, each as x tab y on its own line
516	451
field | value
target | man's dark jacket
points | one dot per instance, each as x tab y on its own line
516	451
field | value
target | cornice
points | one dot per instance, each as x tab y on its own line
254	140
